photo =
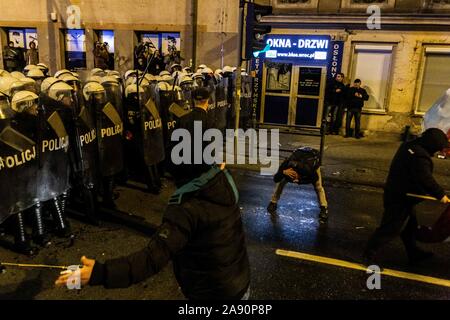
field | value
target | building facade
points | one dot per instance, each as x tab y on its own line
400	49
66	30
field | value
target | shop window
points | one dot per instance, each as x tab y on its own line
294	4
104	49
435	77
75	49
168	44
278	77
372	64
365	3
17	53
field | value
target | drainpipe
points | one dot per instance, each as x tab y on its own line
194	33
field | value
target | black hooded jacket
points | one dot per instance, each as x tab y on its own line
202	233
412	167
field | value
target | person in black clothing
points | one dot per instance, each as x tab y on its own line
411	172
335	98
201	232
356	98
302	167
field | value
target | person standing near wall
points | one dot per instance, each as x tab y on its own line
11	56
355	99
101	56
335	99
31	56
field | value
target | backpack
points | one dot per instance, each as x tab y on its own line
305	161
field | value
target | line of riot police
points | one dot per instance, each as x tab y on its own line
64	142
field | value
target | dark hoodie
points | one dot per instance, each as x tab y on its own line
202	233
412	167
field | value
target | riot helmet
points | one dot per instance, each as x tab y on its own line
94	89
4	73
61	92
36	74
227	69
15	87
97	72
5	109
29	84
43	67
59	73
97	79
150	78
28	68
18	75
47	82
132	89
176	67
5	84
25	101
168	79
198	79
187	70
164	73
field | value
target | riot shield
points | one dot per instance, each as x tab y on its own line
230	81
212	112
18	164
53	146
152	131
221	104
109	134
170	111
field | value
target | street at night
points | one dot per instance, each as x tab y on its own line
354	213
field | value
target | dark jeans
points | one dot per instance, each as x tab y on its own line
397	211
353	113
337	114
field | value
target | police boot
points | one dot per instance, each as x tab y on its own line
323	215
89	197
153	180
108	195
62	226
21	241
39	235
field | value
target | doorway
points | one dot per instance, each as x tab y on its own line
292	95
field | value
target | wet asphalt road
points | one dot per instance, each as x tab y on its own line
354	214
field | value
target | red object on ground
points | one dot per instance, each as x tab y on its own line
439	232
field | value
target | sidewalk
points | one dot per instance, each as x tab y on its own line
365	161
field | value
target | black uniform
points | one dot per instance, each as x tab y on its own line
411	172
335	104
354	108
201	232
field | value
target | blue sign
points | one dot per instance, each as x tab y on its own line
335	65
308	49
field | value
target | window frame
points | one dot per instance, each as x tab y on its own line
438	48
347	4
64	50
393	51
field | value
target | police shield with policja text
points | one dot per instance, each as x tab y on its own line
55	114
18	163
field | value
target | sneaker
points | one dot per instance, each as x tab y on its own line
323	215
272	207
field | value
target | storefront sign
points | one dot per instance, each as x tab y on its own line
335	64
310	49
